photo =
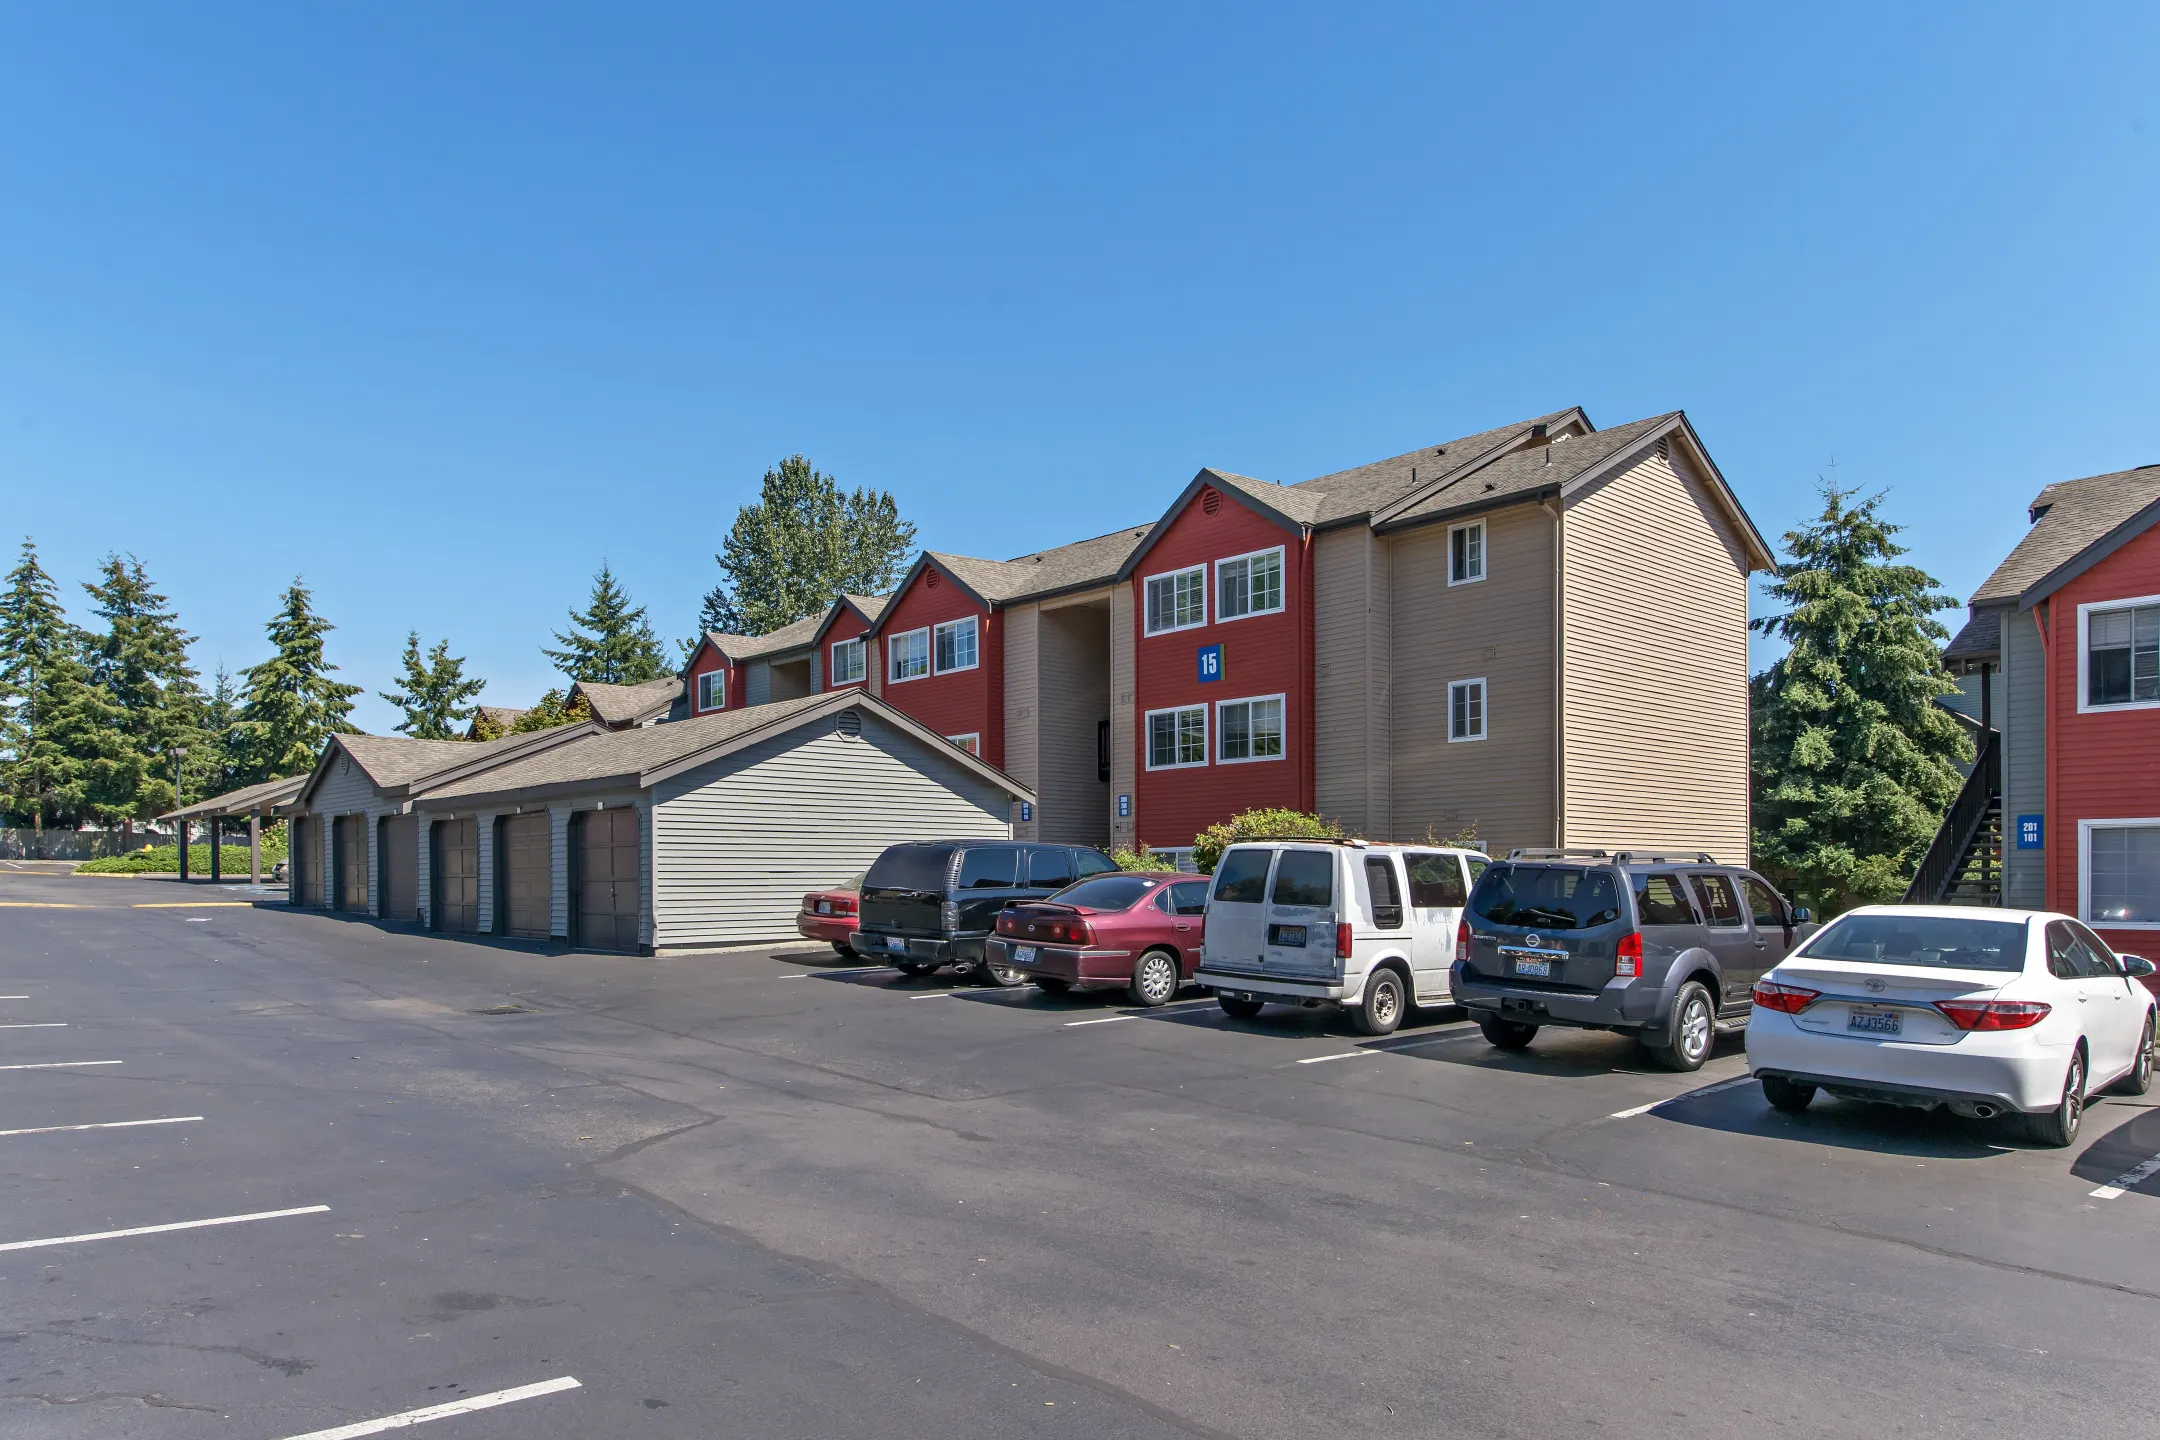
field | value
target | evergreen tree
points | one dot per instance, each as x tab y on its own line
610	641
63	757
222	753
436	692
292	706
801	544
141	663
1854	761
552	709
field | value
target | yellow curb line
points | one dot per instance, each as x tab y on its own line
38	905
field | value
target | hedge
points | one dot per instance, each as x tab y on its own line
165	860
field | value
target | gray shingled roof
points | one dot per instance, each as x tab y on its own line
503	715
1294	502
1094	561
627	704
2080	515
791	636
392	760
1374	486
1541	467
871	606
1981	638
265	795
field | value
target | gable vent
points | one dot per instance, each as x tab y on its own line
1210	500
930	578
848	724
1664	451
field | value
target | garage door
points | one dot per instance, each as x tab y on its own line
604	854
397	854
456	867
523	884
349	840
303	859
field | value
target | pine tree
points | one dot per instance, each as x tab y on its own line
222	756
292	706
1854	761
141	663
63	757
610	642
801	544
436	692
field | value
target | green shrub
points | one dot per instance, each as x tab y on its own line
165	859
1209	844
1140	859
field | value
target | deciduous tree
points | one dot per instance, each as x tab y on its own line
801	544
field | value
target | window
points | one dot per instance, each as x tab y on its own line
1177	857
2122	654
1720	907
1305	878
712	690
1177	737
956	645
1241	878
1248	585
1466	553
1387	911
910	655
1763	904
1177	601
2070	958
1050	866
1466	710
1950	944
1249	730
970	743
1436	881
1189	897
1659	900
1547	897
1094	862
847	662
988	869
2122	872
2103	958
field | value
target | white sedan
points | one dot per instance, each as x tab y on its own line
1984	1012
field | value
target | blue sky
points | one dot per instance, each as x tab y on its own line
441	305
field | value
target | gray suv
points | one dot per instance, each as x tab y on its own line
1665	947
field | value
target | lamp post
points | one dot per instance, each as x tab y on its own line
179	757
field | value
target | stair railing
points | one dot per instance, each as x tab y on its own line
1946	854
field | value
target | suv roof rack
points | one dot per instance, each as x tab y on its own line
1535	852
1356	840
1624	857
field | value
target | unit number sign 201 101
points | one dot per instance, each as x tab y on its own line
1210	662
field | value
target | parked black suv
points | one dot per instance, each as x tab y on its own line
934	903
1666	947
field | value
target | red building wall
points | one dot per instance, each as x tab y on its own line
966	702
849	626
2103	765
708	659
1262	655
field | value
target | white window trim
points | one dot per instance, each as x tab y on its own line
1206	606
1484	710
832	669
2084	895
975	736
2084	664
702	707
1147	737
1484	560
892	656
1215	597
1253	759
944	625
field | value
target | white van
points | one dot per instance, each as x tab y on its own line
1335	922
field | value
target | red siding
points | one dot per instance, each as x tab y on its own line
1262	655
707	660
2101	766
849	626
966	702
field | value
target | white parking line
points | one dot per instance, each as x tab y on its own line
1676	1099
14	997
161	1229
1102	1020
441	1412
1345	1055
62	1064
2128	1180
101	1125
37	1025
941	995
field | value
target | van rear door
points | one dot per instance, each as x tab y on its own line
1438	891
1303	901
1237	910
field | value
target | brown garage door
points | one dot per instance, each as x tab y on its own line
303	859
522	853
604	854
397	855
456	867
349	841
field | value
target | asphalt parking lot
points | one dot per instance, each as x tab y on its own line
762	1194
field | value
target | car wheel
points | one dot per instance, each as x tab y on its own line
1693	1030
914	967
1382	1008
2059	1127
1238	1009
1507	1034
844	950
1154	979
1000	977
1788	1095
2140	1078
1050	986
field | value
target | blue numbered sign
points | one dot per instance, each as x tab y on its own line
1210	662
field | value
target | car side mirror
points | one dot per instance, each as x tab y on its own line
1801	915
2137	967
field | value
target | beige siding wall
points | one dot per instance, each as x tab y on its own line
1073	659
1351	632
1121	709
1022	696
1655	664
346	790
1499	629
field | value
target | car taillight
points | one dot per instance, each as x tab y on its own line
1342	941
948	915
1081	934
1462	941
843	907
1627	956
1786	999
1993	1014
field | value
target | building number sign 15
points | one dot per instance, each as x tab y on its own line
1210	663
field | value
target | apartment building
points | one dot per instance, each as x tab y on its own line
817	653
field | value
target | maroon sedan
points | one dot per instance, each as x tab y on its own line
1138	929
830	915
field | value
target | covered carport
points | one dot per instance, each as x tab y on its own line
257	802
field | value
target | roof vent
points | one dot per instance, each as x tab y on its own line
1539	432
930	578
848	724
1210	500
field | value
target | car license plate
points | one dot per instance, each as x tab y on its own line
1536	968
1875	1022
824	907
1292	936
1023	954
895	944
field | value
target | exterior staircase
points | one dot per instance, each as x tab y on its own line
1964	864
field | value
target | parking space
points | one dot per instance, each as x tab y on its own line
573	1194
